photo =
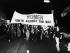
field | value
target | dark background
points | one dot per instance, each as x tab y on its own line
7	8
32	6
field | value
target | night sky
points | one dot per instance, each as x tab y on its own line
31	6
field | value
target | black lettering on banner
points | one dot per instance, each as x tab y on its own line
31	20
35	17
26	20
29	17
48	21
40	17
41	21
17	20
22	20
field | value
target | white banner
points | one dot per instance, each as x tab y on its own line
33	19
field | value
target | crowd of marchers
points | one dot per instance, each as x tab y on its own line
36	32
32	31
29	32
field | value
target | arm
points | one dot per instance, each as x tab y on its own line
66	10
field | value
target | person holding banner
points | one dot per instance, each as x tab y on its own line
27	33
18	31
32	33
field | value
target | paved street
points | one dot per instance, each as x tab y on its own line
21	46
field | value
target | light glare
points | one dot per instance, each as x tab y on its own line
47	1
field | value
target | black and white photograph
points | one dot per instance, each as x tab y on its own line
34	26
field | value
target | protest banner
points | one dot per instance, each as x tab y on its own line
33	19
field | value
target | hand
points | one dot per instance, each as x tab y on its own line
63	14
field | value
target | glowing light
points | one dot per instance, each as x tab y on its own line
9	40
47	1
27	51
68	47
